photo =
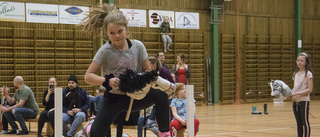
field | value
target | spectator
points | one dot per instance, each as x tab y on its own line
4	120
97	100
179	111
25	108
181	70
161	57
48	100
75	105
140	124
165	31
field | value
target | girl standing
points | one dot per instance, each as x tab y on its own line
303	86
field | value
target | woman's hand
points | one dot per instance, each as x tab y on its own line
114	82
50	90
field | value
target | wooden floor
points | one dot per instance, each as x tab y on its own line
237	121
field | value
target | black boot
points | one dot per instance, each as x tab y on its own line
265	109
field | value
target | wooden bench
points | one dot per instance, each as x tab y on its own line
180	133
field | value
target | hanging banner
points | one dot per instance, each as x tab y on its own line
137	18
42	13
187	20
156	17
71	14
12	11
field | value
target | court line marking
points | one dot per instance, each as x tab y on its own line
261	130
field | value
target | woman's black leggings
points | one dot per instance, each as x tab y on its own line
301	112
44	116
114	104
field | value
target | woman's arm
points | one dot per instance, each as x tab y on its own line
46	96
187	71
91	77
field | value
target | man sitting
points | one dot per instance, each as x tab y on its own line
26	107
75	105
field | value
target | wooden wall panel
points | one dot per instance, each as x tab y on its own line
268	29
39	51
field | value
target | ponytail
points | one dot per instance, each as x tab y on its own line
101	16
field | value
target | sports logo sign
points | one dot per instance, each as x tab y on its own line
71	14
156	17
74	10
136	17
12	11
187	20
42	13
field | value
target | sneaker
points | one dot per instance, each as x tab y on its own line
12	132
4	132
39	135
150	123
154	130
164	134
23	133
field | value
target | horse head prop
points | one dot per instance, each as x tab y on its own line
279	89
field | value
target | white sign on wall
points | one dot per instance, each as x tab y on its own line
156	17
42	13
187	20
12	11
71	14
136	18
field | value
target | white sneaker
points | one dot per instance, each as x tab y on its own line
4	132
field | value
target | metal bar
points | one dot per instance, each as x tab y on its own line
190	110
58	112
214	50
297	26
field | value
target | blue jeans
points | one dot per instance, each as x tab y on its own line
152	114
76	121
20	114
166	42
140	125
